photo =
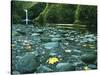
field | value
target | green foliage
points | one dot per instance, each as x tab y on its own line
41	19
16	19
88	16
61	13
42	13
35	10
18	10
77	12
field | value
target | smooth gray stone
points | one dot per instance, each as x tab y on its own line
44	69
88	58
56	39
65	67
27	63
92	66
35	34
51	45
15	73
45	39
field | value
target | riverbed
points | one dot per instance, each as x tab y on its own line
37	49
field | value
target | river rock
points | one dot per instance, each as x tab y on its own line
65	67
51	45
43	69
22	32
39	31
88	58
55	36
35	34
15	73
56	39
92	66
45	39
27	63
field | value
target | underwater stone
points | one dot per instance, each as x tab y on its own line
53	54
27	63
88	58
35	34
22	32
45	39
92	66
51	45
65	67
39	31
44	69
15	73
55	36
56	39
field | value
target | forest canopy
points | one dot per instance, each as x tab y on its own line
42	13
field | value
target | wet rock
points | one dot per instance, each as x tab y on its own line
92	66
55	36
76	52
68	51
14	33
21	31
43	69
35	34
15	73
65	67
51	45
39	31
61	44
88	58
27	63
56	39
66	44
45	39
53	54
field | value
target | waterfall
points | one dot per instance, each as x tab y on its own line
26	14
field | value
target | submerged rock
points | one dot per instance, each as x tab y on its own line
56	39
53	54
88	58
55	36
92	66
35	34
45	39
22	32
43	69
27	63
51	45
15	73
65	67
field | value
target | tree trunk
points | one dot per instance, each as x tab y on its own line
77	15
41	19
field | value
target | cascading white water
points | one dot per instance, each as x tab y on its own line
26	19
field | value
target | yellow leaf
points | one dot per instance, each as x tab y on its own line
52	60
